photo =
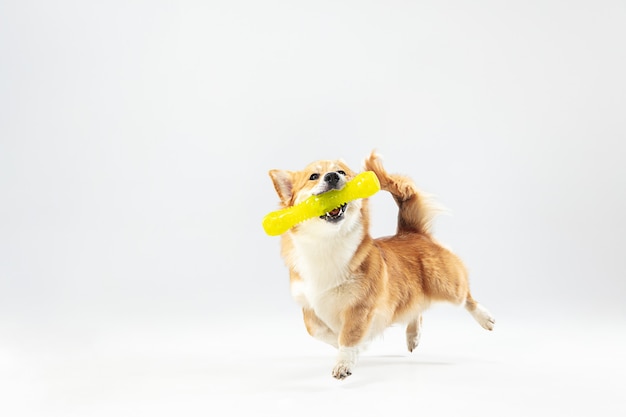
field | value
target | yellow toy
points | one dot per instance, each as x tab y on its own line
362	185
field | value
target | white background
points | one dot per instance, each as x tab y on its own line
135	140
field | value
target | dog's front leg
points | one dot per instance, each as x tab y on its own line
317	328
356	321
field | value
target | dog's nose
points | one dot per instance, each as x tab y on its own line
332	178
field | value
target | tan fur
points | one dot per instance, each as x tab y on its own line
351	286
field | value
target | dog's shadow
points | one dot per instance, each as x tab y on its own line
386	360
313	373
396	368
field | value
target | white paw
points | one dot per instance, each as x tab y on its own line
484	317
412	342
342	370
345	362
489	323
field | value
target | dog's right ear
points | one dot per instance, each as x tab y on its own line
283	183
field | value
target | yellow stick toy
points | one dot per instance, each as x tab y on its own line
362	185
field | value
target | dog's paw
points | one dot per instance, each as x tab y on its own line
346	360
484	317
342	370
489	323
412	342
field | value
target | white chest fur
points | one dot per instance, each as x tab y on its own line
322	260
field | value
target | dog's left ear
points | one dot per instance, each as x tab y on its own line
283	183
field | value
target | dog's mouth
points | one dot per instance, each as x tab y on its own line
335	215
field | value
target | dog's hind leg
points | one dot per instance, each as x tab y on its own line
413	332
480	313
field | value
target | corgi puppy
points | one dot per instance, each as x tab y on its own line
352	287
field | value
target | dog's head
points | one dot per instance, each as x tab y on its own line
316	178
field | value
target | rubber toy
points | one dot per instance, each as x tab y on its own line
362	185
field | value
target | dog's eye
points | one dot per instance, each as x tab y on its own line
315	176
342	172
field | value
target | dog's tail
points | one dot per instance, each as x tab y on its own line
416	210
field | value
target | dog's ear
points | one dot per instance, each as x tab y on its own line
283	183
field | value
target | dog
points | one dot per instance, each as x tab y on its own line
351	287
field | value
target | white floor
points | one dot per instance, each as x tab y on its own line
273	368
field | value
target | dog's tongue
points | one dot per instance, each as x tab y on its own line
334	212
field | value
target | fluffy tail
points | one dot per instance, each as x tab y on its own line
416	210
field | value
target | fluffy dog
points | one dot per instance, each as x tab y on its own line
352	287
